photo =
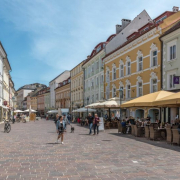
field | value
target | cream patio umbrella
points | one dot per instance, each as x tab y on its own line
112	102
94	105
147	100
173	99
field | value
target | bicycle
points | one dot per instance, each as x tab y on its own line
7	126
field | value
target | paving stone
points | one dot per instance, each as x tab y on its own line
29	151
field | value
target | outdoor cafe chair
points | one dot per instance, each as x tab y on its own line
176	136
169	135
154	134
138	131
119	127
132	129
107	125
147	132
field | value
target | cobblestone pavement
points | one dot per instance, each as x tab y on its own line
29	151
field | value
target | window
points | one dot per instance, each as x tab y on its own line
154	58
114	92
97	97
140	89
172	52
154	85
121	70
121	92
97	81
140	64
92	98
97	65
171	82
92	84
102	79
128	91
107	77
114	73
128	68
92	68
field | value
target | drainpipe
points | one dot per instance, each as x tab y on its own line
83	86
9	88
161	63
161	75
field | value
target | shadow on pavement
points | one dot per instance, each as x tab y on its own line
52	143
51	132
84	134
161	144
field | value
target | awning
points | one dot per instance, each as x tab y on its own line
147	100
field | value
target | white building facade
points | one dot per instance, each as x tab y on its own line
171	67
94	74
54	84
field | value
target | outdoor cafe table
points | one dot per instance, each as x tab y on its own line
162	131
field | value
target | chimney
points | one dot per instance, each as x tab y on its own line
88	56
125	22
118	28
175	9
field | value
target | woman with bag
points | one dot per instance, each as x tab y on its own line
60	126
96	124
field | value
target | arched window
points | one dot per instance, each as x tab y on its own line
153	55
139	86
121	69
113	71
128	65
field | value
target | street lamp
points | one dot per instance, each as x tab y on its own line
120	96
87	104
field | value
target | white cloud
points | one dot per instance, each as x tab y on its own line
63	33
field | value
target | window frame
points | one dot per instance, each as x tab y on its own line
169	45
114	73
128	91
140	57
152	85
121	70
128	68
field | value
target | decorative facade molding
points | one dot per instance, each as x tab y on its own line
153	75
128	81
139	53
121	62
121	84
139	79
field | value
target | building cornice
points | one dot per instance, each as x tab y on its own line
153	33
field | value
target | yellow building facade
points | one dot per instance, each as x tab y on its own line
135	67
77	86
34	102
62	94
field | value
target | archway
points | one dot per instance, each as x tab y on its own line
139	113
154	114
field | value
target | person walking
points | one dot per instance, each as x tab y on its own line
69	118
96	124
60	125
90	122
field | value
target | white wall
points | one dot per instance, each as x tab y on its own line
142	19
53	84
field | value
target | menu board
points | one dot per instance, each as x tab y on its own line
101	124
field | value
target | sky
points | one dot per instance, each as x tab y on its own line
43	38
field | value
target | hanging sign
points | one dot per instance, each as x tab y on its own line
176	79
